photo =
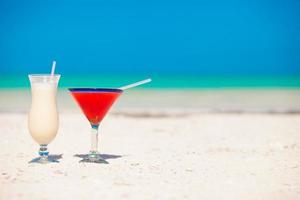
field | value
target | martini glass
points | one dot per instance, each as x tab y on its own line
95	103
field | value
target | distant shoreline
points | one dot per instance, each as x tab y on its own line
166	102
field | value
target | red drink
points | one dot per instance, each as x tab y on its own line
95	102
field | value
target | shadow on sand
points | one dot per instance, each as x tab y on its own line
103	158
53	158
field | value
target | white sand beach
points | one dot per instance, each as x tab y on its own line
180	151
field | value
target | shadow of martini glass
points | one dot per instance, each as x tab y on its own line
104	157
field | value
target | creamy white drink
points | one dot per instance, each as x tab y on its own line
43	119
43	116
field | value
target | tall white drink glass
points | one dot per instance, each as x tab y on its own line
43	119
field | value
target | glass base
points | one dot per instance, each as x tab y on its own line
93	157
45	159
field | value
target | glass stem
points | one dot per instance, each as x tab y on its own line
94	138
43	152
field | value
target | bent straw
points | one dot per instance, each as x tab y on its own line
53	68
135	84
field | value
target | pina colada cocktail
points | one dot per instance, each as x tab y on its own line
95	103
43	116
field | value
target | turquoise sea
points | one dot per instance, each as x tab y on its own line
162	81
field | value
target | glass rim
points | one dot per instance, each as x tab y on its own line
91	89
43	75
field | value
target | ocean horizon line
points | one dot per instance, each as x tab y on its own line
162	81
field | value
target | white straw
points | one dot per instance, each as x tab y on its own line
135	84
53	68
